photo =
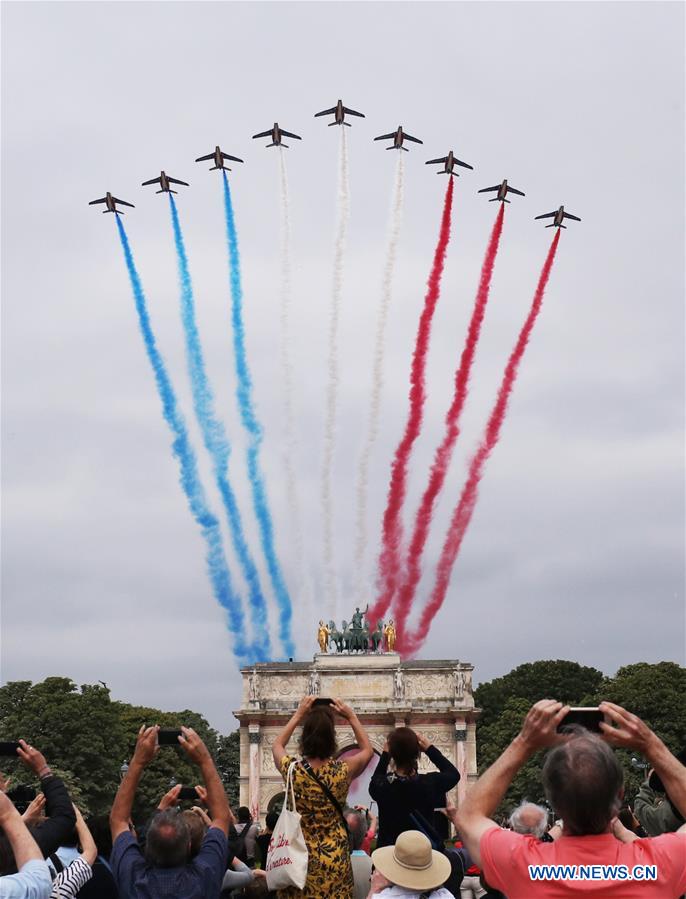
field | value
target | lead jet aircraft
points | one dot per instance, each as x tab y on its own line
276	134
164	181
218	158
111	202
398	137
339	110
558	217
503	189
449	162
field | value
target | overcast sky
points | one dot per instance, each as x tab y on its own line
576	548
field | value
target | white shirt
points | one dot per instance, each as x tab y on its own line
396	892
32	882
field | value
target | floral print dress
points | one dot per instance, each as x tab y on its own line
329	872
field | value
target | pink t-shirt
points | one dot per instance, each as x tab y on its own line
506	857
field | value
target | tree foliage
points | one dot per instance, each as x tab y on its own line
656	693
228	761
87	738
567	681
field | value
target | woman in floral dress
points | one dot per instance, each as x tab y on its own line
329	872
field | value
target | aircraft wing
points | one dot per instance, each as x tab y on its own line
385	136
353	112
205	158
226	156
465	164
546	215
93	202
515	191
123	202
486	189
263	134
409	137
290	134
568	215
325	112
152	181
434	161
176	181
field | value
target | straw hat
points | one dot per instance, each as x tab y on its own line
412	863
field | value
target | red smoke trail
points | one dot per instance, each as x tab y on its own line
444	452
389	562
463	512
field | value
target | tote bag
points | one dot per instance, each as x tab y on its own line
287	855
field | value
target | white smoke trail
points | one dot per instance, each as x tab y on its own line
289	443
361	589
343	215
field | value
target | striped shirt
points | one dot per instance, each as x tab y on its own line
69	881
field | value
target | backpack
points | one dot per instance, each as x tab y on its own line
236	842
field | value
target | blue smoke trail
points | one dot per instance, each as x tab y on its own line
215	439
252	426
216	561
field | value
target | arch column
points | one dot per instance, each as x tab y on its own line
254	741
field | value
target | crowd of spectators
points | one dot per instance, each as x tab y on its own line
597	846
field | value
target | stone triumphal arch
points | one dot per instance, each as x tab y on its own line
434	697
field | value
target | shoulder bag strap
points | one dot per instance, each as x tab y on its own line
329	795
290	791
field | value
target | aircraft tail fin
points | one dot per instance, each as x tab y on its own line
505	200
332	123
271	145
159	191
495	200
405	149
285	146
347	124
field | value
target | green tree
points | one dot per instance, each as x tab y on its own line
657	694
506	700
228	761
86	738
567	681
79	732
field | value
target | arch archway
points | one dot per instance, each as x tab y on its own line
275	804
358	793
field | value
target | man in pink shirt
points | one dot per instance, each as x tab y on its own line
584	784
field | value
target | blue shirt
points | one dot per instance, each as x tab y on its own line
32	882
199	879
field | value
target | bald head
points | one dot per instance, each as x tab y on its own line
529	818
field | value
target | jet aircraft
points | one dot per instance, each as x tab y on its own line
276	135
218	158
398	137
164	181
558	217
449	162
503	189
111	202
339	111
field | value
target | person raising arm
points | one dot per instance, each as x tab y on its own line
33	878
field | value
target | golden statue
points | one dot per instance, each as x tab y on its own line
389	633
323	634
